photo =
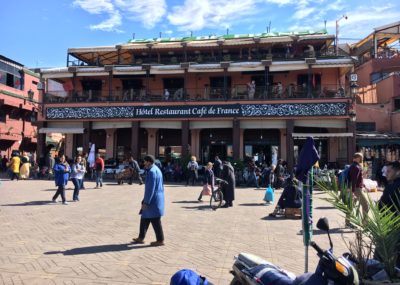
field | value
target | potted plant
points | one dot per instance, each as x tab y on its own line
377	233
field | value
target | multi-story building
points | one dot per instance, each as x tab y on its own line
18	107
378	100
236	95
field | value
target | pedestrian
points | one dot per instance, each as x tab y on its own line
166	95
85	165
77	173
14	165
357	184
192	166
228	190
99	168
152	208
391	194
251	89
24	170
134	165
217	166
208	181
61	173
279	174
4	163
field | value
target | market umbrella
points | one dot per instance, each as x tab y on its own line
92	156
307	158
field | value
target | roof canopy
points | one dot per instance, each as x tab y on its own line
380	37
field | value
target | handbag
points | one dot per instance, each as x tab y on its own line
206	190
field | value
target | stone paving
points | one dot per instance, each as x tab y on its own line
88	242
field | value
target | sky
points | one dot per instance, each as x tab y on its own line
38	33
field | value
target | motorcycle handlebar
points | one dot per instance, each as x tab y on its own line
316	247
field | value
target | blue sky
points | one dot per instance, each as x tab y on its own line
37	33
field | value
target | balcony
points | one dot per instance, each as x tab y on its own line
236	93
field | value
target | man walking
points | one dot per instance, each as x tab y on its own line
356	182
391	195
152	204
133	164
99	167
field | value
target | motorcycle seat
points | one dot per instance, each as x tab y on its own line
251	260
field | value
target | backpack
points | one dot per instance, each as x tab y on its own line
344	177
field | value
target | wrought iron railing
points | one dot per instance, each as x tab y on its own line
236	93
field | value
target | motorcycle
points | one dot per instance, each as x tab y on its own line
249	269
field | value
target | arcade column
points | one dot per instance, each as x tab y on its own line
236	139
135	140
151	141
185	138
290	144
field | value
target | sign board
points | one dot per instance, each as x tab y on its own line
199	111
353	77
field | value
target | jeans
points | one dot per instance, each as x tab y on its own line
156	223
99	178
78	185
192	176
60	190
14	175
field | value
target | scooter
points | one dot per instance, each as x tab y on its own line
249	269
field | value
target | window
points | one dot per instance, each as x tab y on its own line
397	104
366	127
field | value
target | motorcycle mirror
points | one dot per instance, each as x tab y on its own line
323	224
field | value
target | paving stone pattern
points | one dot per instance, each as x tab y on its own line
89	242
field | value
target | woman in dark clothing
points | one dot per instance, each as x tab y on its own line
291	198
208	179
228	190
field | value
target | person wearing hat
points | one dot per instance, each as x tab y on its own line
188	277
153	203
208	181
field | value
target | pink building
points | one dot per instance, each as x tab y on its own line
378	99
18	107
237	96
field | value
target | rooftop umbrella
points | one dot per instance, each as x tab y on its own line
307	158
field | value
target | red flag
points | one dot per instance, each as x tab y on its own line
68	86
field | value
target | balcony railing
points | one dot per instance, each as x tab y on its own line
237	93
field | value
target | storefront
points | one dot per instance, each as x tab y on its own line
169	144
216	142
262	145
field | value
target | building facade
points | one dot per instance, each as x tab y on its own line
378	99
18	107
235	96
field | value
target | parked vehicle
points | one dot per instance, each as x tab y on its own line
331	270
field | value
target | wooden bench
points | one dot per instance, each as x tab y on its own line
293	213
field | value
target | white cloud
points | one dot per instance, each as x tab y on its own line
199	14
101	7
95	6
149	12
110	24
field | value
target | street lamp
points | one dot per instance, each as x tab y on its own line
353	90
337	33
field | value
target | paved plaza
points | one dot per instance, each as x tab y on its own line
89	242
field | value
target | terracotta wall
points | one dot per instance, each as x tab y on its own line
380	114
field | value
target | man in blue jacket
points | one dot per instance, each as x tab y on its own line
153	203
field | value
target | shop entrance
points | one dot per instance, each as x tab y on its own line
216	142
262	145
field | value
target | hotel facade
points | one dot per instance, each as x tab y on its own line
236	96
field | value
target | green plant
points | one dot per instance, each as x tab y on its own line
381	226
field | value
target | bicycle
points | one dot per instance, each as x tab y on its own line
217	197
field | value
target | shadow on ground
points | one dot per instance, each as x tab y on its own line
31	203
325	207
252	204
332	231
200	207
99	249
185	202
